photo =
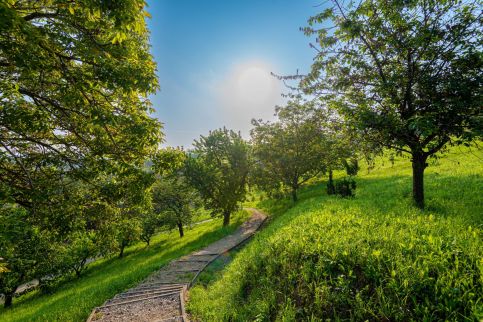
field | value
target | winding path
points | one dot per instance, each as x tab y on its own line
161	296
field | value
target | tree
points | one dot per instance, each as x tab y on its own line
75	125
408	74
25	252
291	150
174	201
128	230
80	248
74	85
218	169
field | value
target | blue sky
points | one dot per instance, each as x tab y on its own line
214	60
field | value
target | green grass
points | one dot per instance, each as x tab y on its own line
75	299
214	270
373	257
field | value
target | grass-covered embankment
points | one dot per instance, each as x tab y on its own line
374	257
74	300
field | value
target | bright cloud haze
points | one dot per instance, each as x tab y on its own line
215	60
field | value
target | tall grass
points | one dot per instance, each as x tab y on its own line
373	257
74	300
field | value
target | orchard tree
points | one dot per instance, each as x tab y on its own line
407	73
218	168
25	252
292	150
174	199
81	248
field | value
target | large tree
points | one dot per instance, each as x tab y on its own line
74	80
218	169
407	73
293	149
75	127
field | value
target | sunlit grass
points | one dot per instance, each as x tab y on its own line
74	300
373	257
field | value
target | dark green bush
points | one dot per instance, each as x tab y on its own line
345	187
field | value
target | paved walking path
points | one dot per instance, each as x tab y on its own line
161	296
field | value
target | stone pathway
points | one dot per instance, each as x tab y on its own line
161	296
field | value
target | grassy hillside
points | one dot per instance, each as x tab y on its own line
75	299
374	257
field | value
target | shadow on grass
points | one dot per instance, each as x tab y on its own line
446	196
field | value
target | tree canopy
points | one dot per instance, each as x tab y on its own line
218	168
74	83
75	126
174	199
293	149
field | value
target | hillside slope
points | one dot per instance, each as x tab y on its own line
374	257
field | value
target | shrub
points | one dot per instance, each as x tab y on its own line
345	187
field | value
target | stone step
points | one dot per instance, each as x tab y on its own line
127	296
150	290
176	270
122	301
194	260
159	286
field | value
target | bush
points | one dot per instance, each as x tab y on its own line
345	187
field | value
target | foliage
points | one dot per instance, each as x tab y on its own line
174	200
128	230
407	74
80	248
218	169
345	187
290	151
75	129
150	222
74	84
26	253
374	257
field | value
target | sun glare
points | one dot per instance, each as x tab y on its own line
254	84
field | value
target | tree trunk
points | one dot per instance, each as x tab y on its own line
330	184
8	300
294	194
419	164
180	229
226	218
121	254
